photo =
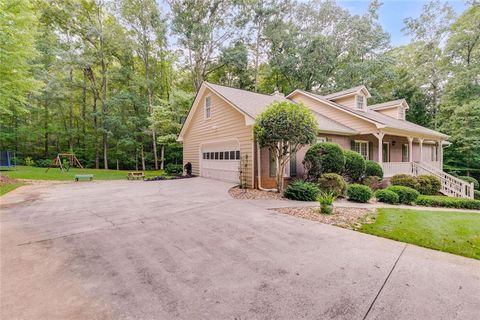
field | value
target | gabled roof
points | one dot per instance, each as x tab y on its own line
251	103
389	104
347	92
329	125
381	120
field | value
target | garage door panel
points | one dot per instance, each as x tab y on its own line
217	163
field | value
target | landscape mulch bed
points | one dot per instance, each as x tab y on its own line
349	218
7	180
253	194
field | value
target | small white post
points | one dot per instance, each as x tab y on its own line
380	136
421	149
440	146
410	149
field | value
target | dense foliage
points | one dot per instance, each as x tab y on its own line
323	157
301	190
405	180
373	182
428	185
448	202
468	179
387	196
373	169
112	81
406	195
354	165
359	193
332	183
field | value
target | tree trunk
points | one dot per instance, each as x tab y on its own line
104	114
46	113
70	115
162	157
142	155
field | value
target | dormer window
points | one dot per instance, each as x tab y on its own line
208	105
360	102
401	113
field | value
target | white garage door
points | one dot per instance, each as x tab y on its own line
220	161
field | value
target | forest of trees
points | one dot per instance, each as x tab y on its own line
112	81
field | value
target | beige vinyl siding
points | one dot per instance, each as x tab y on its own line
225	123
347	101
341	116
391	112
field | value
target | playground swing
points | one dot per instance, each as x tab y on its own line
65	161
6	159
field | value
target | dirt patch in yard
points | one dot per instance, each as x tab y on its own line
349	218
238	193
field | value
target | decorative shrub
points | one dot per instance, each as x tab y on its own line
301	190
326	202
373	169
476	194
324	157
173	169
468	179
405	180
373	182
29	162
448	202
332	183
428	185
354	165
406	195
43	163
359	193
387	196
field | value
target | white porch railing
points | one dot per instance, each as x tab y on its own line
451	186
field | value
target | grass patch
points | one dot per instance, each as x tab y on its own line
454	232
7	187
35	173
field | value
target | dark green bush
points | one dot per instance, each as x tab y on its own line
373	169
470	180
406	195
448	202
405	180
476	195
43	163
373	182
324	157
359	193
428	185
174	169
354	165
301	190
332	183
387	196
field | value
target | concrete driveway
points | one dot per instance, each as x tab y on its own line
185	250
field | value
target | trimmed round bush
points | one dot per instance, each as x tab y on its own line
405	180
387	196
173	169
468	179
373	182
406	195
476	195
373	169
332	183
359	193
428	185
354	165
324	157
301	190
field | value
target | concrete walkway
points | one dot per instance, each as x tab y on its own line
185	250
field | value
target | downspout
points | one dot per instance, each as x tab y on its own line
259	176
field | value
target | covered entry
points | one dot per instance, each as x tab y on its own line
221	160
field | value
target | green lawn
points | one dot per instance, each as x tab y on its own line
454	232
5	188
34	173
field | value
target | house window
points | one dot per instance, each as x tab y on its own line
293	165
434	156
208	109
401	113
386	152
360	102
227	154
321	139
272	164
221	155
362	148
405	153
237	155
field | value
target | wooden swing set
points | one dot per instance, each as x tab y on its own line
71	161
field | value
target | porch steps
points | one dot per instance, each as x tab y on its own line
451	186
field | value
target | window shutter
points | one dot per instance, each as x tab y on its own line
329	139
370	150
352	145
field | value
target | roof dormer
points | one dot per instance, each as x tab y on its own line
355	98
395	109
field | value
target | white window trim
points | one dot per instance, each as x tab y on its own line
357	97
321	139
368	147
388	151
209	108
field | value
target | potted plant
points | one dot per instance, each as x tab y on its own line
326	202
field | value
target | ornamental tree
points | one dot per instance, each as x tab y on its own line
284	127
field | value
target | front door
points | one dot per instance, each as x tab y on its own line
386	152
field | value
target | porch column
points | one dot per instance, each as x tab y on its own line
380	136
421	149
440	151
410	149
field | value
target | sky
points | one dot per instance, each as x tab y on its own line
393	12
